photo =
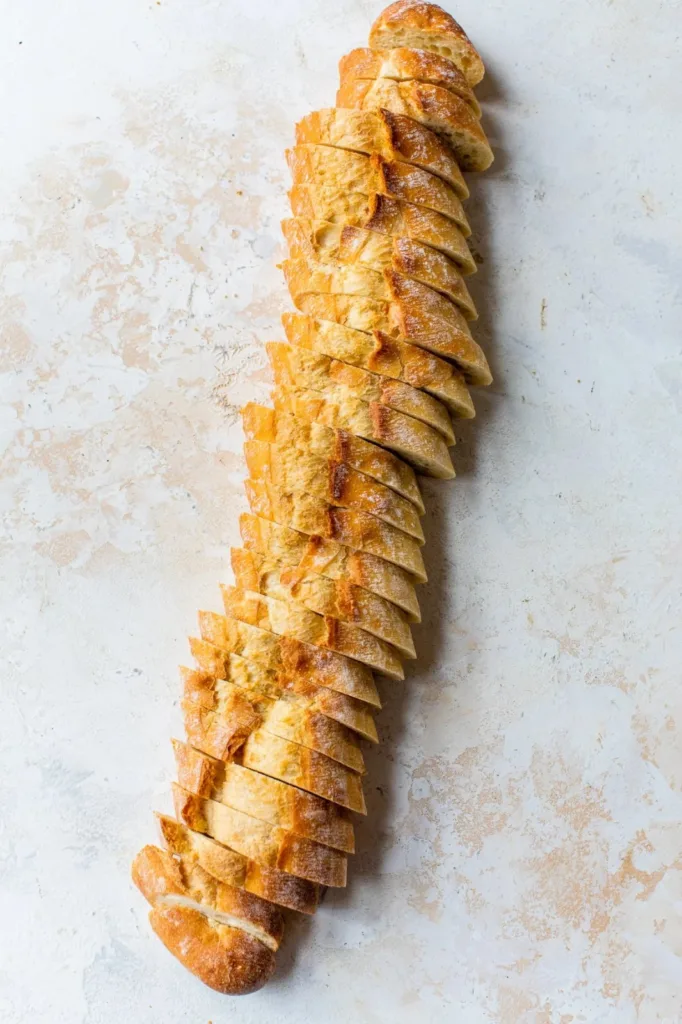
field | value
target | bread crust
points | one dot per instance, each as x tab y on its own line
233	868
295	471
405	64
384	214
381	354
332	561
261	423
264	797
426	26
434	108
287	618
391	136
354	172
338	243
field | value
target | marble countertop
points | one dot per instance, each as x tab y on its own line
521	860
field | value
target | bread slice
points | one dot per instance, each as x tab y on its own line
338	243
332	561
371	388
269	845
349	527
425	26
161	876
264	798
434	108
263	424
234	869
403	65
339	599
366	300
354	172
391	136
294	471
231	958
287	618
385	214
381	354
292	665
222	699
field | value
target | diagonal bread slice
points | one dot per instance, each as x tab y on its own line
366	300
234	869
264	574
391	136
352	528
227	952
338	243
384	214
292	665
159	875
338	406
294	471
264	798
381	354
332	561
354	172
434	108
282	717
426	26
262	424
287	618
306	707
402	65
269	845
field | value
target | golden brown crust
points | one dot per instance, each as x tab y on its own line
434	108
225	959
405	64
234	869
295	471
354	172
384	355
338	243
393	137
331	560
426	26
385	215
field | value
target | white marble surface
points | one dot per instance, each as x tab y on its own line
521	862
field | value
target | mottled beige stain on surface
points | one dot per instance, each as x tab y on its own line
521	862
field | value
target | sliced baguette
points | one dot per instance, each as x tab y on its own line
282	717
403	64
326	558
384	214
294	666
263	424
288	618
366	300
354	172
233	868
338	243
391	136
434	108
294	471
268	845
350	527
426	26
264	798
158	874
339	599
381	354
338	406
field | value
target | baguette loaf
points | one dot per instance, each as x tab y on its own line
378	361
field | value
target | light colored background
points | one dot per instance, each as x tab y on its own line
521	863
